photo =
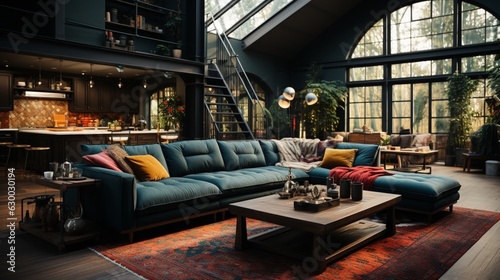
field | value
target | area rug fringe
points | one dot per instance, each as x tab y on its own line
118	264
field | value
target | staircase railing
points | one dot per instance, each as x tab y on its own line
236	78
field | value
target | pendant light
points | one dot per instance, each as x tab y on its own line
120	69
60	73
91	82
39	71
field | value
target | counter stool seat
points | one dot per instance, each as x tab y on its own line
32	149
119	139
16	147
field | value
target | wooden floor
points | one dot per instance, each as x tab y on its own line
39	259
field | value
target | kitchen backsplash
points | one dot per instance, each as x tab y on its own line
40	113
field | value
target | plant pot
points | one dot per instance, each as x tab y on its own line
449	160
177	53
459	157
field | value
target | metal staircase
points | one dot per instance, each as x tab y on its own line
226	85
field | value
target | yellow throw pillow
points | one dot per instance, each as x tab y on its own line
338	157
147	168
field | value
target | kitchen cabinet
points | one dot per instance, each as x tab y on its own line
365	138
104	97
6	103
98	99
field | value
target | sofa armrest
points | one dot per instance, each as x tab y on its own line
117	197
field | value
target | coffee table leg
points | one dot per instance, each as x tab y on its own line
390	224
241	233
319	252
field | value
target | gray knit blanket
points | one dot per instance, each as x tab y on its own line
292	151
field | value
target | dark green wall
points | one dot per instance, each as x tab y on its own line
84	22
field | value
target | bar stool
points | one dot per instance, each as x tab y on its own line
169	136
16	147
121	139
3	145
32	149
118	139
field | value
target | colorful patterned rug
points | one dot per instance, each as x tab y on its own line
418	251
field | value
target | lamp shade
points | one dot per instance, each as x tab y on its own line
283	102
311	98
289	93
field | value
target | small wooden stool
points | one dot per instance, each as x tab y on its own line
17	148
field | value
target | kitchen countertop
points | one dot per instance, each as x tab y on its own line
8	129
85	131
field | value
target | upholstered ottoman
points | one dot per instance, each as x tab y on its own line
421	193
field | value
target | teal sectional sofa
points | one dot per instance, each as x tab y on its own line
207	175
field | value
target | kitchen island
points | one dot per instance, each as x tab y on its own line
65	143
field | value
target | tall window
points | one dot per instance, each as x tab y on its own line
407	92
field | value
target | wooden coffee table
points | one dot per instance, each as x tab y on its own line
315	238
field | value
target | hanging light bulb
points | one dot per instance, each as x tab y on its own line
289	93
144	83
60	73
120	69
39	71
311	98
283	102
91	82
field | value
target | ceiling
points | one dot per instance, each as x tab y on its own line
303	26
12	61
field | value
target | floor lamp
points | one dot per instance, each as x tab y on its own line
285	99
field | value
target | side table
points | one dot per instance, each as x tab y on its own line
60	238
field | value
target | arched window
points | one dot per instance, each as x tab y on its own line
426	42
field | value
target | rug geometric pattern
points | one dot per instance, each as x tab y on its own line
207	252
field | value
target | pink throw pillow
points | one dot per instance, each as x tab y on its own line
101	159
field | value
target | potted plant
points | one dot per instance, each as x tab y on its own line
172	113
459	90
322	116
162	50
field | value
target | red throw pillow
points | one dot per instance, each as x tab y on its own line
101	159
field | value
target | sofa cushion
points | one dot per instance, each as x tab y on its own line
171	191
101	159
406	140
422	187
147	168
421	140
270	151
119	154
89	149
151	149
192	156
241	154
338	157
236	181
367	154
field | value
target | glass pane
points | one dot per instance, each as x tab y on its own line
438	91
440	125
421	10
401	92
357	110
441	67
399	124
372	42
442	7
401	109
374	109
259	18
420	108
